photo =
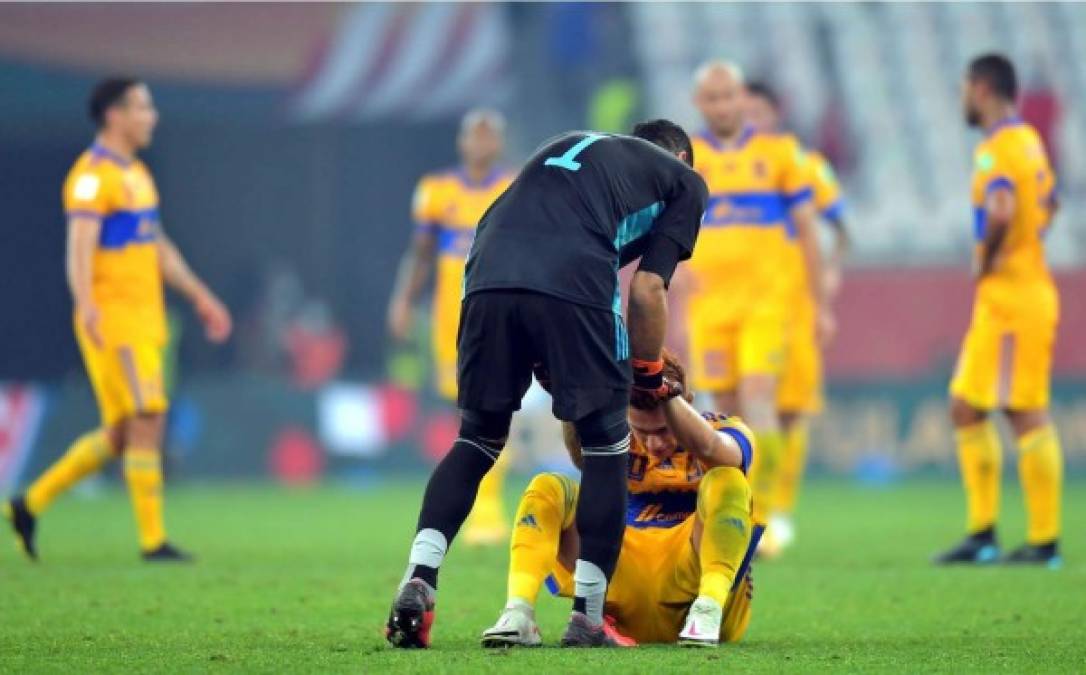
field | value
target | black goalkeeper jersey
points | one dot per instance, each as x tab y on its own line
582	203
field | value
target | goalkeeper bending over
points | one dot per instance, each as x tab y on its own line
682	574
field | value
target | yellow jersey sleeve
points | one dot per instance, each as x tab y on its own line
737	430
825	188
795	177
425	205
90	190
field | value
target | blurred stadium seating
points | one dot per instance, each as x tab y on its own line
292	137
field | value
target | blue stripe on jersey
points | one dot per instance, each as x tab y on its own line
980	223
454	241
745	447
757	209
622	339
552	584
630	229
660	509
121	228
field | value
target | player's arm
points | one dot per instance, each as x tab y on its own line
797	187
83	232
178	275
999	206
842	243
695	435
411	279
670	241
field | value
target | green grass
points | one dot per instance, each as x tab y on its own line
300	581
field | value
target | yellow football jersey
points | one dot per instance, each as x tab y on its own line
743	244
127	280
449	205
1013	157
664	492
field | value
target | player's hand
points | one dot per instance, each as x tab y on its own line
649	380
215	316
831	281
542	376
644	399
826	326
399	320
91	323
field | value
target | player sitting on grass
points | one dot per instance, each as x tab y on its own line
688	536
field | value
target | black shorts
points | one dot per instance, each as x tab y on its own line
504	333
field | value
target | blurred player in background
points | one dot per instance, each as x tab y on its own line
447	207
117	260
1006	357
682	573
542	294
741	305
799	392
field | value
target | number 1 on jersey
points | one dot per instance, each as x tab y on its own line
566	161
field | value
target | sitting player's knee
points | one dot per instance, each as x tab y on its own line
723	485
551	485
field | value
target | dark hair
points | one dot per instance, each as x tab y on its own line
108	93
762	90
997	72
667	135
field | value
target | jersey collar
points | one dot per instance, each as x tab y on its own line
99	150
486	182
1011	121
740	140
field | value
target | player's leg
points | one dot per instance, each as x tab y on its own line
980	457
494	371
143	475
721	537
89	453
545	513
1040	457
600	517
761	350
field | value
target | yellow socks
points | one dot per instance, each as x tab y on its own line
724	512
790	473
1040	469
86	455
768	450
143	473
547	508
486	524
981	459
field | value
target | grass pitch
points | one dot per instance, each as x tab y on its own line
301	580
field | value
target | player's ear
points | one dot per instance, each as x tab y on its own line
684	156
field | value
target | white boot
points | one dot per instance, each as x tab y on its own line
516	627
702	627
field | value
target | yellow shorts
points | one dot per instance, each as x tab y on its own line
723	352
126	378
800	385
655	581
446	321
1004	362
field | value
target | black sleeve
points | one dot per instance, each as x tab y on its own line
680	220
661	256
632	251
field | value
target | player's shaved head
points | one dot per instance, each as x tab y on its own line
716	68
718	96
482	138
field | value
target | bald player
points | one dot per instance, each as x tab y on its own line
447	207
741	305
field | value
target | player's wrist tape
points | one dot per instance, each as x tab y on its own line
648	374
